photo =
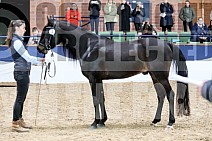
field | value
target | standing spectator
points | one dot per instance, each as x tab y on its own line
147	28
94	7
199	31
166	20
110	12
34	40
73	14
138	14
187	15
124	12
22	68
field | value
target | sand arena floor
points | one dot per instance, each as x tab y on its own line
66	112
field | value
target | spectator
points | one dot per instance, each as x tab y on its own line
138	14
35	38
187	15
147	28
110	12
199	31
210	31
22	68
124	12
166	20
73	15
211	15
94	7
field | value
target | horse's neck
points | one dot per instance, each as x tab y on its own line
81	41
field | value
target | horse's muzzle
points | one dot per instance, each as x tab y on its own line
41	49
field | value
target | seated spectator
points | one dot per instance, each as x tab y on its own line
199	31
73	15
210	30
34	40
147	28
211	15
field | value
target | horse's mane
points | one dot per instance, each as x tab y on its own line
69	45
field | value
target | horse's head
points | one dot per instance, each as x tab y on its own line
48	40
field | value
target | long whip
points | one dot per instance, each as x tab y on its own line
39	94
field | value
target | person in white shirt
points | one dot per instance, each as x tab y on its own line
22	68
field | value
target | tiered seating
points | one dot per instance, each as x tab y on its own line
184	37
173	37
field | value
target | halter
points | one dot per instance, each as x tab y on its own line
48	47
51	32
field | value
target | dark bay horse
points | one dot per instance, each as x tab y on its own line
101	58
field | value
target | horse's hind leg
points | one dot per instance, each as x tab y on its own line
98	101
163	88
160	95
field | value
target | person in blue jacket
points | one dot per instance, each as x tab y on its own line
22	67
207	90
200	32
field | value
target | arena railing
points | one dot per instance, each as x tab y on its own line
118	36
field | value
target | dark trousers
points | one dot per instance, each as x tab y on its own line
185	25
110	26
168	27
138	27
94	23
22	80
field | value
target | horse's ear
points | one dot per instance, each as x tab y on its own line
48	17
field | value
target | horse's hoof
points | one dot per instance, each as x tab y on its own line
154	124
101	125
93	127
169	128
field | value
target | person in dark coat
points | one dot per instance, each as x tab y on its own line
166	20
124	12
94	7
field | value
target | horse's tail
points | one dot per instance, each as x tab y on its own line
182	98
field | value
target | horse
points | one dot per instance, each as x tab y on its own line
102	58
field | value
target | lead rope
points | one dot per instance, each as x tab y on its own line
49	64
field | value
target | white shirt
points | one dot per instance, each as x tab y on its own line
19	47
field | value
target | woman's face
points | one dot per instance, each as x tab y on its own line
110	1
20	30
200	21
165	1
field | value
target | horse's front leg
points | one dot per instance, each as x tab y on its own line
98	101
